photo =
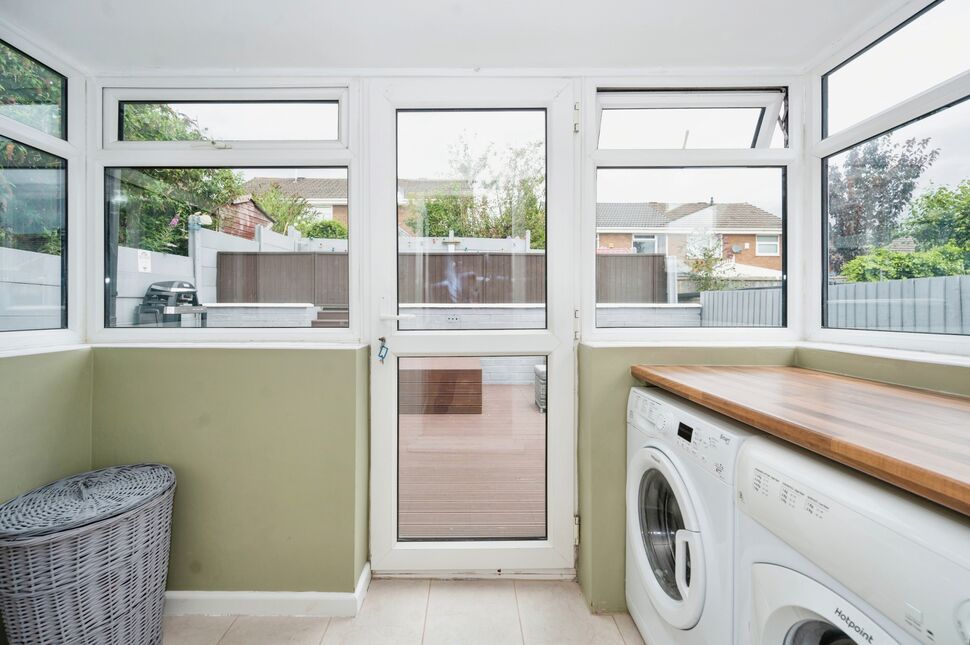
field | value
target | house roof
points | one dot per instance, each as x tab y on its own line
336	188
641	215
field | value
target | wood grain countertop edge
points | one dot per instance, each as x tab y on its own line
938	488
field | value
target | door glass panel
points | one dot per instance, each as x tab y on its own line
471	219
471	448
660	519
817	632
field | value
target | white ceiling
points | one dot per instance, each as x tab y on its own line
124	35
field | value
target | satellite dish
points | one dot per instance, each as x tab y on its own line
735	248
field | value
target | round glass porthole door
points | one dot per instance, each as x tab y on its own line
660	520
817	632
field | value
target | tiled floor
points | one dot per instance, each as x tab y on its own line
400	612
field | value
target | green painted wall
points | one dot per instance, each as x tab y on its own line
604	383
45	418
270	450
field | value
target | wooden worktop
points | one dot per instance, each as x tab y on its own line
914	439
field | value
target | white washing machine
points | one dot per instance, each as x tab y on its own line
680	519
827	556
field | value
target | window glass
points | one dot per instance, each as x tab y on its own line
31	92
226	247
767	245
930	49
33	238
228	121
644	243
898	228
471	219
679	128
705	270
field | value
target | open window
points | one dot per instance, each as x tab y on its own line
687	120
224	119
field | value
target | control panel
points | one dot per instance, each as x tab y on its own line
692	438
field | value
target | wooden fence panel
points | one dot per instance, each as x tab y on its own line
439	278
939	305
331	287
634	278
284	277
515	278
236	277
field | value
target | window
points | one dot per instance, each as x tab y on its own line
710	276
767	245
32	93
226	247
645	244
663	120
228	120
897	216
923	52
33	238
471	217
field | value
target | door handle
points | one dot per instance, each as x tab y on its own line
684	542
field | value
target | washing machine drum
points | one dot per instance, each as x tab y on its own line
665	537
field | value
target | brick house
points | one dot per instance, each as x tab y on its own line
751	236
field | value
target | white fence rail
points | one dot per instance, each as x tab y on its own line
933	305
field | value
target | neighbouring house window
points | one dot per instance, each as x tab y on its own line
645	244
767	245
923	52
33	238
897	215
228	120
709	275
224	247
32	93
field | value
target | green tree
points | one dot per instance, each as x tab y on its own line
885	264
705	257
286	210
488	203
941	217
325	229
868	190
153	204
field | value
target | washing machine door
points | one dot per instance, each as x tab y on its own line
665	538
789	608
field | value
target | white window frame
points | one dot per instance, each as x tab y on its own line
818	149
771	101
790	158
776	243
72	150
115	96
343	154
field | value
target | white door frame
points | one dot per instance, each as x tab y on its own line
555	555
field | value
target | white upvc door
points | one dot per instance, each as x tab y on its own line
546	545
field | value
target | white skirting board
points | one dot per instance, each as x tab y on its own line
269	603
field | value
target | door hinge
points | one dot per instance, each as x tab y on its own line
576	116
575	530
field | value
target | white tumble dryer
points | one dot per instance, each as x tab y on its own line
680	519
827	556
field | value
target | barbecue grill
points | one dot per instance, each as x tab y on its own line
165	303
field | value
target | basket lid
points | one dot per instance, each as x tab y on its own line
83	499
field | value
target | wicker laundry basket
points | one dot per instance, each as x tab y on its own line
84	560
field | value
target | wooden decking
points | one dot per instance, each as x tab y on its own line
467	476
